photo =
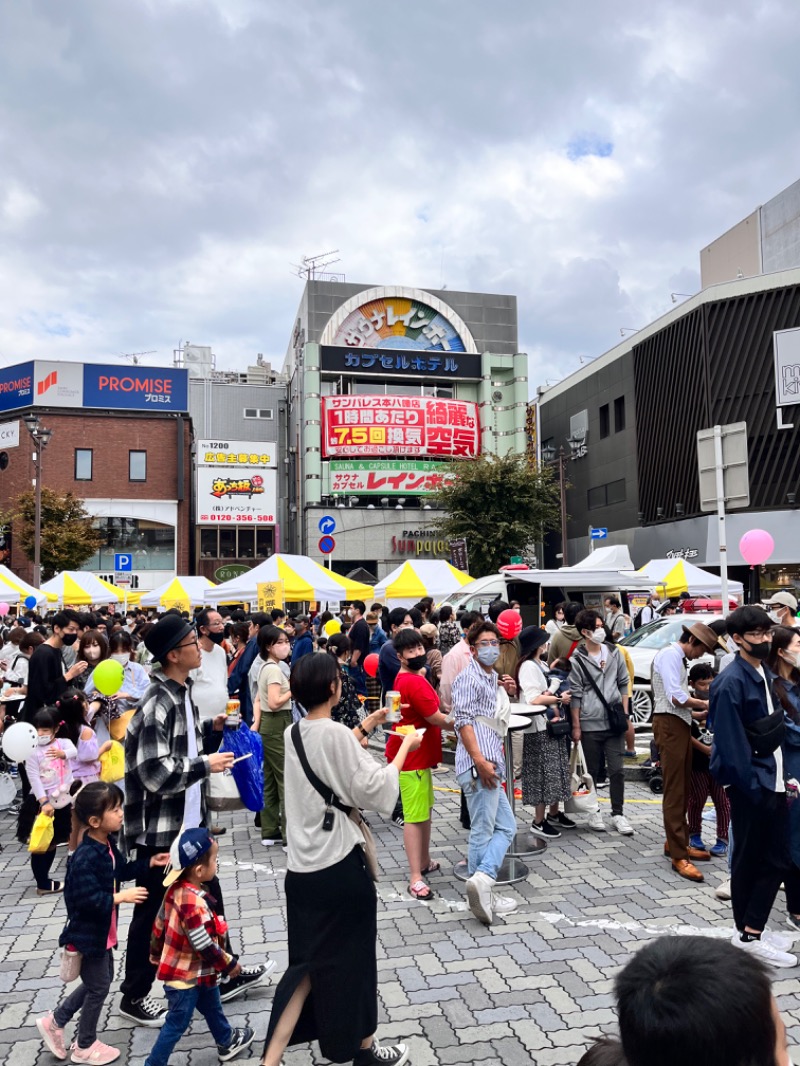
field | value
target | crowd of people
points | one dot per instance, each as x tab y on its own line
307	686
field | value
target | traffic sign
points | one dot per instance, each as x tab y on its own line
327	524
598	532
122	579
123	563
326	545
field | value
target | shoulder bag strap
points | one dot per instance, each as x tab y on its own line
592	682
572	648
327	793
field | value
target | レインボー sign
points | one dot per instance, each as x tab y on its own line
399	425
388	477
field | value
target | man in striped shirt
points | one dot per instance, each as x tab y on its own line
480	769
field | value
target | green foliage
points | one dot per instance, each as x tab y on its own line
499	505
68	537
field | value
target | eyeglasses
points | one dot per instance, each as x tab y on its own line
487	644
188	644
758	634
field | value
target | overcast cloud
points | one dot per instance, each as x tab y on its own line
163	163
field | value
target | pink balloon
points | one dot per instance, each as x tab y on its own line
4	609
756	546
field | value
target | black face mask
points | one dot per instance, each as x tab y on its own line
759	651
216	637
417	662
68	639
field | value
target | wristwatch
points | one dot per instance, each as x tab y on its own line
364	732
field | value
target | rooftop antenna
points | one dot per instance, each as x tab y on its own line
135	357
311	267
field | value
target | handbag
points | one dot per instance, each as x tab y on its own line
615	713
561	728
583	796
222	793
332	800
70	967
41	834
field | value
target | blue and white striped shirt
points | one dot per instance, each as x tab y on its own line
475	693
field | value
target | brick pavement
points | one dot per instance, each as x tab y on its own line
536	987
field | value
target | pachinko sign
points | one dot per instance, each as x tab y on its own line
388	477
399	425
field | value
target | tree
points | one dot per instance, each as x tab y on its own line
499	505
69	538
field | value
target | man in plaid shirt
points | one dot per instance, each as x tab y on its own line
165	771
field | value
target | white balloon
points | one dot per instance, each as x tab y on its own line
19	741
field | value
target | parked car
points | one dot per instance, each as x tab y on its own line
643	645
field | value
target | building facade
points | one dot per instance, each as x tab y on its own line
388	384
121	442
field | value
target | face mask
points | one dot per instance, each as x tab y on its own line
774	616
216	637
791	658
68	639
279	651
416	662
759	651
488	656
92	653
598	636
122	657
46	740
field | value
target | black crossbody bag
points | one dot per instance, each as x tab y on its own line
331	801
615	713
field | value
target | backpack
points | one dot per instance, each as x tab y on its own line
637	619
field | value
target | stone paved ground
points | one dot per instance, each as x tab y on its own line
535	987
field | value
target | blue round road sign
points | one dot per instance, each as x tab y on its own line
327	524
326	545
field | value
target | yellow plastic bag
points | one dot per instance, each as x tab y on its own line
41	834
112	763
119	726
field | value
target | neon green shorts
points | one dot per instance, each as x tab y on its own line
416	792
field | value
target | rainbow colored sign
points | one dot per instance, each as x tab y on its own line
398	322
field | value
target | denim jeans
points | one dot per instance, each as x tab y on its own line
493	824
88	998
182	1003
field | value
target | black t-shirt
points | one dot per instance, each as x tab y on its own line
699	760
359	635
46	679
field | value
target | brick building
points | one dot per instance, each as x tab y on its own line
129	460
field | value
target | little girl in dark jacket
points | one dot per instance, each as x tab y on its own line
92	896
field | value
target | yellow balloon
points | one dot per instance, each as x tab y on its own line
332	626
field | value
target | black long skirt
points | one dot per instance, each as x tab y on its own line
332	926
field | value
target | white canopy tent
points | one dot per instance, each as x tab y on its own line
303	579
699	582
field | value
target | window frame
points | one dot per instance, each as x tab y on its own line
619	414
131	453
605	421
90	453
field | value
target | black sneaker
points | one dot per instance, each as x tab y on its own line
250	977
144	1011
398	818
242	1038
545	829
381	1056
561	820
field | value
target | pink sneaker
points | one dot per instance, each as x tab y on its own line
98	1054
52	1036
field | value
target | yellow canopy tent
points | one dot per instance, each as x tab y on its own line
303	579
420	577
79	588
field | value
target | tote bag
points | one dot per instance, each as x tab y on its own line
583	797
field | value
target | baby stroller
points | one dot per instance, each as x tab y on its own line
653	773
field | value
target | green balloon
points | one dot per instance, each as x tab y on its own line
108	677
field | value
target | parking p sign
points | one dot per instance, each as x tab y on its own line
123	563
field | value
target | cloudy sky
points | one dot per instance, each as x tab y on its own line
163	163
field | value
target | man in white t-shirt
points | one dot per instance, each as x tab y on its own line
210	689
782	609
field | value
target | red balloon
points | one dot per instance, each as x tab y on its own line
371	664
510	624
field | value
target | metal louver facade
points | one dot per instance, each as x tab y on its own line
714	365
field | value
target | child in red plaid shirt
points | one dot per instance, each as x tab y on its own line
187	945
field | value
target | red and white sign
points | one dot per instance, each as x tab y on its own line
399	425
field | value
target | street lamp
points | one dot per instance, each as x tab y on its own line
40	436
577	449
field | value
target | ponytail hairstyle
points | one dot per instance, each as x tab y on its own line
71	708
94	799
338	644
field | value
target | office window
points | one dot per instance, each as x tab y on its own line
615	491
83	464
258	412
619	414
605	426
596	497
137	466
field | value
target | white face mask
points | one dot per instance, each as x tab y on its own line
44	741
122	657
92	653
598	636
792	658
773	614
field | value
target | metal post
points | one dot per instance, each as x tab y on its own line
723	542
37	520
562	486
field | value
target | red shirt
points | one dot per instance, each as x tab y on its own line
416	691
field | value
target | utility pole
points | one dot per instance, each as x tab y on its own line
40	436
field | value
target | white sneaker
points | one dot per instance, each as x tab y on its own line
503	904
479	896
781	941
596	822
766	951
723	891
622	825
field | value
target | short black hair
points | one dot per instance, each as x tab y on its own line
407	638
604	1052
745	619
479	627
695	999
416	616
613	601
202	617
700	672
312	679
63	618
719	626
267	636
277	613
120	641
587	619
445	612
468	618
571	611
397	616
359	606
496	608
261	618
